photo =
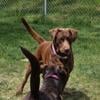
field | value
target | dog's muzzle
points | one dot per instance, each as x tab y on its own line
55	54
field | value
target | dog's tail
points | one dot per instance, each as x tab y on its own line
32	32
35	73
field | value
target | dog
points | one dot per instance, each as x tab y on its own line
57	52
53	82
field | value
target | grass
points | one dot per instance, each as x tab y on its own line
84	82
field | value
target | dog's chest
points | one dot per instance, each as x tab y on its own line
50	89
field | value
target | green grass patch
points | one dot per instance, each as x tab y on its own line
84	83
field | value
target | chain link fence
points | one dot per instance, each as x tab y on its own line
87	10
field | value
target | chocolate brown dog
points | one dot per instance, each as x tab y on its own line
53	82
57	52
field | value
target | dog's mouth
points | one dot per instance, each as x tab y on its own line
64	53
67	52
52	75
51	72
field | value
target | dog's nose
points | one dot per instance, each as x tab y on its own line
67	50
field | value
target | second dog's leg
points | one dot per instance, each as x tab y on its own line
21	87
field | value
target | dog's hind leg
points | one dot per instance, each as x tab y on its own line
21	87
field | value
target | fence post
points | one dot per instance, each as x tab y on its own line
45	7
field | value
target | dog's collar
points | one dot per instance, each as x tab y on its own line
54	53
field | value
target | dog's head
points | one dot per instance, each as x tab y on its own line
55	72
57	77
63	38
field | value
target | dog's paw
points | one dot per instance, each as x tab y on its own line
19	92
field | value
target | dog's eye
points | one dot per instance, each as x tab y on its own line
62	39
67	38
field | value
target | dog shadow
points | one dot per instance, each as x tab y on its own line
73	94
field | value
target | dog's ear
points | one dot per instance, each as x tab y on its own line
35	73
32	59
72	34
54	31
